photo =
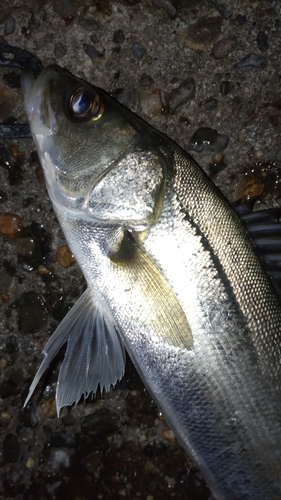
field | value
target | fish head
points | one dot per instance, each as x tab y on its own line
98	158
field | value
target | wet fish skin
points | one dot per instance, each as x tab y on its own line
171	275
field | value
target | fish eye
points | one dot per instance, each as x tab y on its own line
85	105
81	103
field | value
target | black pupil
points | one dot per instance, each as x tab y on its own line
81	103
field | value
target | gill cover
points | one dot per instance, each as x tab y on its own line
96	155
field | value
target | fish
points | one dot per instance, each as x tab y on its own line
173	278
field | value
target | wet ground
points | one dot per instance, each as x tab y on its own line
205	73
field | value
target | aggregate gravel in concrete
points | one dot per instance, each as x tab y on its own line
189	68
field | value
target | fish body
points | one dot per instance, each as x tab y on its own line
172	277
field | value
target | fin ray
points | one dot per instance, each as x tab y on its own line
95	355
151	297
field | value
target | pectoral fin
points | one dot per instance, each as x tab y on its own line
149	295
94	356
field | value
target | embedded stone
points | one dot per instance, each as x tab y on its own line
64	256
203	33
10	225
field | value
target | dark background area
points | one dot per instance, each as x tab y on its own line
205	73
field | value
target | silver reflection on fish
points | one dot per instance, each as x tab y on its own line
172	277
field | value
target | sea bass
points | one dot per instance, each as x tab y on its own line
172	278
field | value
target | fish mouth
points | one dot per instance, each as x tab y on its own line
42	120
37	101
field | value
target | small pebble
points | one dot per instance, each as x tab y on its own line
182	94
223	48
49	408
43	270
151	103
11	225
218	158
6	415
154	448
60	308
91	51
150	467
22	278
224	11
64	256
67	9
206	138
28	416
60	459
168	434
15	151
49	37
30	462
60	50
252	60
170	481
88	24
118	36
11	344
27	202
226	87
138	50
38	229
95	39
40	174
262	41
26	32
5	297
25	246
203	33
210	104
10	25
258	155
168	6
241	19
27	267
91	462
146	80
250	186
184	120
3	363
